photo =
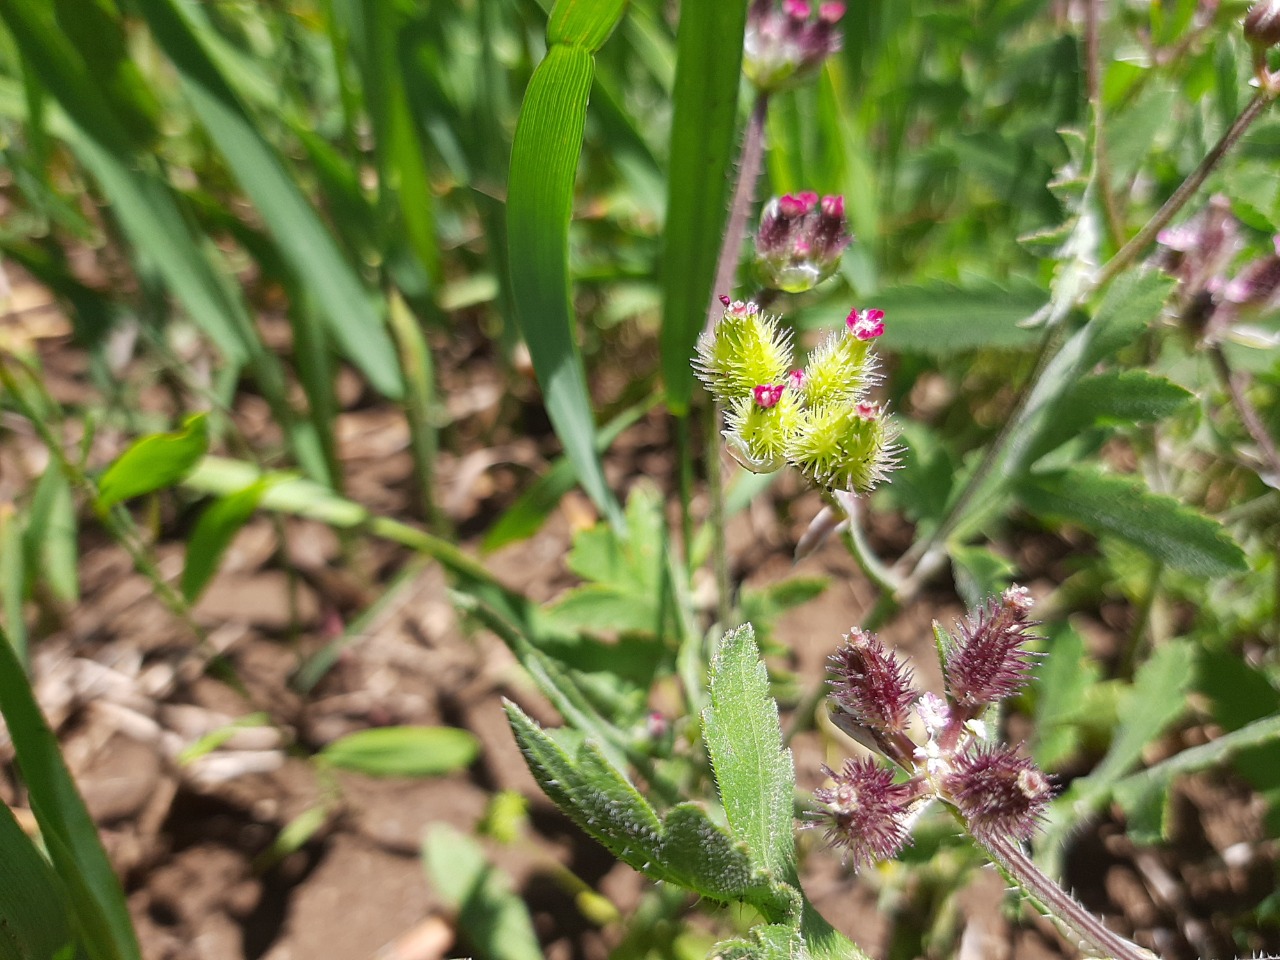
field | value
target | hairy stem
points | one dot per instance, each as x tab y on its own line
743	196
916	556
1129	252
1093	82
1236	385
1059	903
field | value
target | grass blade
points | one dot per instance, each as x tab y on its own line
93	890
544	160
304	242
709	51
34	923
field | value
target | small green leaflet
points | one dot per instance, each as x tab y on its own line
155	462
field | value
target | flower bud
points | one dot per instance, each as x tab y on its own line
997	792
787	43
1257	286
988	661
744	350
870	684
1262	24
800	240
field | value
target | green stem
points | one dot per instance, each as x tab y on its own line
1130	251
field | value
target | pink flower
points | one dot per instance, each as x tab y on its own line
767	395
866	324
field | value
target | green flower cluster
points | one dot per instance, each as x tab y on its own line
816	419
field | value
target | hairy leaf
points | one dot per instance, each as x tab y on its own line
1121	507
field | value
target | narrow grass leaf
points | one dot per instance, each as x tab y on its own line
1160	526
1156	699
93	891
493	918
213	533
584	23
403	751
51	535
155	462
703	122
34	921
544	159
13	578
304	242
755	773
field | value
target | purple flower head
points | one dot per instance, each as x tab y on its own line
865	813
786	43
989	661
997	792
800	240
1257	285
870	684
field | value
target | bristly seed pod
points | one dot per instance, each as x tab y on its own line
998	792
866	813
870	684
989	660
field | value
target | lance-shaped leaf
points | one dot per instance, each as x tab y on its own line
1160	526
755	773
685	848
544	160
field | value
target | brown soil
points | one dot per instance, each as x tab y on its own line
128	687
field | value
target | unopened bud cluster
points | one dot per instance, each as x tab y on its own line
800	240
1212	297
998	793
817	419
786	43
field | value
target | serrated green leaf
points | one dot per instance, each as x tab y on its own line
495	920
703	124
544	159
1160	526
773	941
1112	397
1133	301
608	808
698	854
941	319
213	533
155	462
754	772
684	848
403	751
